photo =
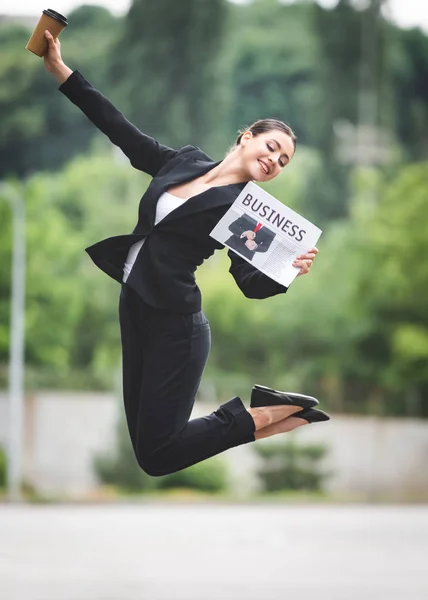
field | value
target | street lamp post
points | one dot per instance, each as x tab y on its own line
16	361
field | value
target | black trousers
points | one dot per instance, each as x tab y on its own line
164	356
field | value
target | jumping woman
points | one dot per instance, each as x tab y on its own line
165	335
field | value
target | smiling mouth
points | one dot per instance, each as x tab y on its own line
264	167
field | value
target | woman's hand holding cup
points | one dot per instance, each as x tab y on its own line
53	56
53	59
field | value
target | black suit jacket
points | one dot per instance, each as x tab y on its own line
263	238
164	272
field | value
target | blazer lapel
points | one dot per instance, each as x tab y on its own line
214	197
211	198
186	170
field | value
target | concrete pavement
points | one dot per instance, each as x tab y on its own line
210	552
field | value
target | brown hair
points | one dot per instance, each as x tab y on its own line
265	125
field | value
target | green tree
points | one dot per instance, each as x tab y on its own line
395	287
71	321
39	129
408	64
272	56
168	72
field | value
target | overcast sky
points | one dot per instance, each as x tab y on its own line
407	13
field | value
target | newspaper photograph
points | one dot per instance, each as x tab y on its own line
265	232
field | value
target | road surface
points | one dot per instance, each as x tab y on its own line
210	552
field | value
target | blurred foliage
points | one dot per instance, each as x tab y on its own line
291	466
207	476
182	41
120	469
396	345
355	331
223	65
38	130
63	320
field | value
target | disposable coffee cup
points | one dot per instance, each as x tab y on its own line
51	20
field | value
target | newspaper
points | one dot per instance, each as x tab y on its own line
265	232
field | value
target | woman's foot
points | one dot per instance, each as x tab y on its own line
304	417
265	396
265	416
284	426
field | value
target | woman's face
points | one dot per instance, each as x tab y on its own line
266	154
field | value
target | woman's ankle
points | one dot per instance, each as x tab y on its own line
266	416
284	426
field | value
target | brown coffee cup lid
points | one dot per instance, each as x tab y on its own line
56	15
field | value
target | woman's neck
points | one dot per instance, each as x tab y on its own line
229	171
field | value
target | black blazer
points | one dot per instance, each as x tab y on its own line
263	238
164	272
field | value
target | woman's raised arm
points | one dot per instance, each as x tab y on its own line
144	152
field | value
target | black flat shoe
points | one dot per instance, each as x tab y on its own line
264	396
312	415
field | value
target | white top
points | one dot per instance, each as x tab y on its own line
166	204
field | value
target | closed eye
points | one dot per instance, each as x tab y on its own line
271	149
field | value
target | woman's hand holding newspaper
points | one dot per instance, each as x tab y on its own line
305	261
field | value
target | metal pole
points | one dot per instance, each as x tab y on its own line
17	333
368	100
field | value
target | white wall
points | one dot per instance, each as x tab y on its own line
368	457
63	431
